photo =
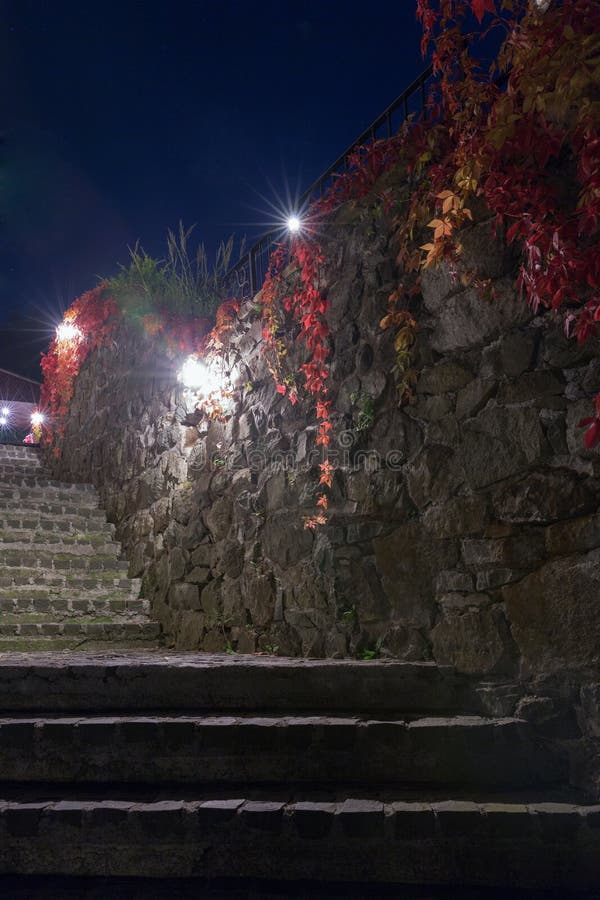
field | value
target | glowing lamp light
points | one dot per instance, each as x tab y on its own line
5	411
66	332
199	378
294	224
37	419
3	420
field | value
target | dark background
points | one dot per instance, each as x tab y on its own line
118	119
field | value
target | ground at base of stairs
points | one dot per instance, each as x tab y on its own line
58	888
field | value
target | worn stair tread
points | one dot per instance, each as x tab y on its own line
61	606
37	522
449	842
49	495
59	509
76	625
63	646
264	749
75	546
59	561
27	480
180	680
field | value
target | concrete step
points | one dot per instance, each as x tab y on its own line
37	560
118	628
60	608
472	752
179	682
452	842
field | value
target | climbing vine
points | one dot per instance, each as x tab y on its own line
520	136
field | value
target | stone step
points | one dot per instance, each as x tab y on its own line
59	508
10	466
472	752
33	495
61	608
47	524
76	545
59	562
180	682
453	842
37	584
119	628
21	452
54	543
27	480
63	646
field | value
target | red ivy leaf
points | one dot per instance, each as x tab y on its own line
480	7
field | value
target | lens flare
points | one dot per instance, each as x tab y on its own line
66	332
294	224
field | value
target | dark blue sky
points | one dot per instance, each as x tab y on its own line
121	118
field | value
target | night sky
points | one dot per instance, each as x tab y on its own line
121	118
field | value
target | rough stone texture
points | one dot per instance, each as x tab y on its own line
481	486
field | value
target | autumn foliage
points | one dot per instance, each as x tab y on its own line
520	135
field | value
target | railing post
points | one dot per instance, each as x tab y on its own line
251	273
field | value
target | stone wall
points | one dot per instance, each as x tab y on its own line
465	526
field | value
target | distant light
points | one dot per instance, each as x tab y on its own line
5	411
3	420
66	331
37	418
294	224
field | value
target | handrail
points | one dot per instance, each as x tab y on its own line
243	279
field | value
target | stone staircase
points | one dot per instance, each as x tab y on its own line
62	584
128	759
326	771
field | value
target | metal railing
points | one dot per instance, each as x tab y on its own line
246	277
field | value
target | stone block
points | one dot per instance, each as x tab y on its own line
466	319
545	496
500	441
541	387
508	820
211	813
413	821
361	818
433	475
574	535
184	596
23	819
558	821
407	560
554	613
457	517
475	641
313	821
474	396
263	815
445	377
454	580
458	817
